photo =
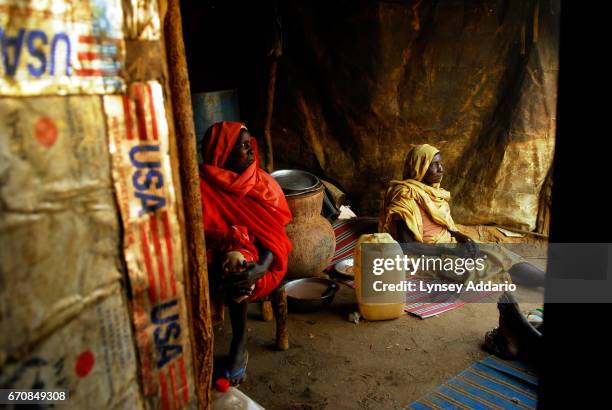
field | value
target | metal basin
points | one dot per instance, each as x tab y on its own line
310	294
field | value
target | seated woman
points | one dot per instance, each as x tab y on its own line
416	210
245	213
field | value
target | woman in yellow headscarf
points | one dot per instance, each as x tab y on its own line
418	203
417	209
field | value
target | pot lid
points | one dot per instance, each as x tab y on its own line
295	181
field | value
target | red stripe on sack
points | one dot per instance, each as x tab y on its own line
88	39
168	240
88	72
140	113
93	40
159	256
184	387
175	396
152	112
148	264
164	391
127	114
88	56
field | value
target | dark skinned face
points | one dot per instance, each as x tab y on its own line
242	154
435	171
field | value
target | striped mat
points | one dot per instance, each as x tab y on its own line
420	304
424	305
491	383
348	232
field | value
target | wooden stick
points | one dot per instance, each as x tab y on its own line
536	22
523	39
266	311
196	275
268	123
279	302
522	231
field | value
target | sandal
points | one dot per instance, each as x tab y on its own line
238	376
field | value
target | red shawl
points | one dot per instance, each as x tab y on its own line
243	209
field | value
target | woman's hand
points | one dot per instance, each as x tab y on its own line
234	266
244	279
233	261
467	248
255	271
461	237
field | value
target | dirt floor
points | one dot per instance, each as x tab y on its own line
335	364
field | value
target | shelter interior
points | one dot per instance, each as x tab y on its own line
354	84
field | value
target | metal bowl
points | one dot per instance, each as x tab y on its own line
296	182
345	267
310	294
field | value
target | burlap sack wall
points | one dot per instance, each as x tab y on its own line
92	273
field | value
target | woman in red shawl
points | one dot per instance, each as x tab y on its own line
245	213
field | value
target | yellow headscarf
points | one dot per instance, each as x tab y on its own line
403	198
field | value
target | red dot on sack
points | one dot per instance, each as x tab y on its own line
84	364
45	131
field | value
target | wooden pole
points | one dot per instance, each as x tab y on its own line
268	123
196	277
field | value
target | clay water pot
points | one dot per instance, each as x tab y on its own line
313	238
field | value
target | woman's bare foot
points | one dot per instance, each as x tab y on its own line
515	337
500	344
238	357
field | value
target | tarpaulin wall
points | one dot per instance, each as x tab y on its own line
359	81
92	272
478	79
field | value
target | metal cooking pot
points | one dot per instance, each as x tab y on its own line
310	294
